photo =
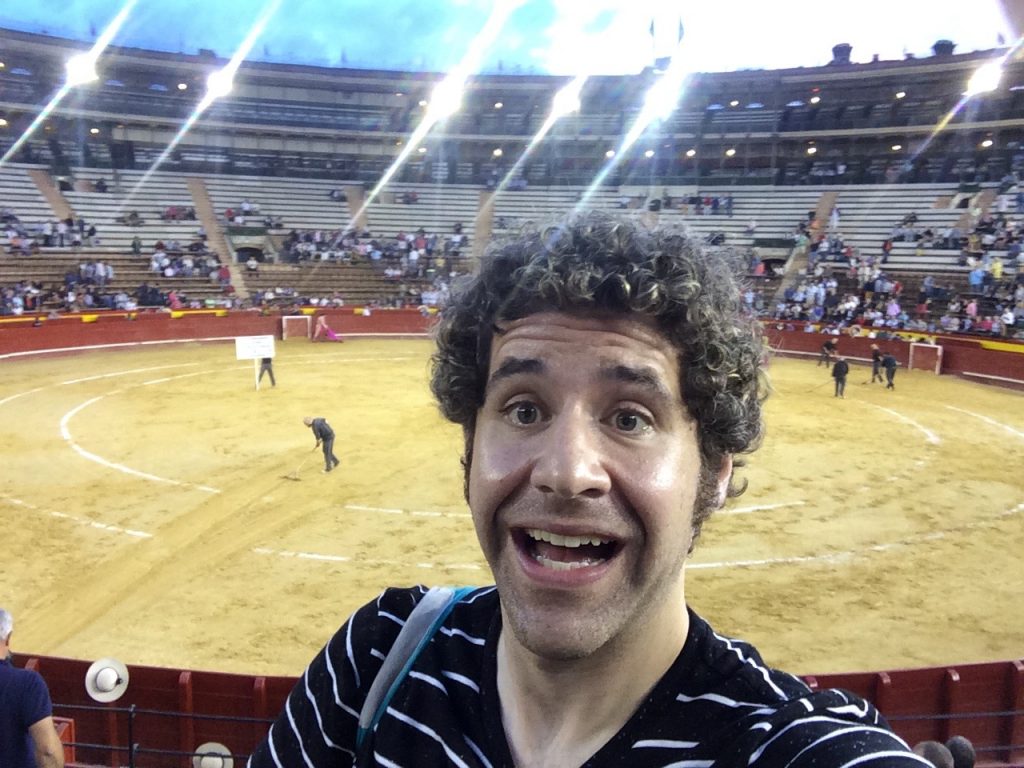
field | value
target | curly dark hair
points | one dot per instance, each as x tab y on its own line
595	261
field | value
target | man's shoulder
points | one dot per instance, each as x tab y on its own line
723	665
28	687
748	713
25	678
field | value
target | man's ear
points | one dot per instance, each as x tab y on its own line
723	476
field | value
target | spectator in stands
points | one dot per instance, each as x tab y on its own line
252	266
589	415
1007	320
962	751
28	736
100	185
935	753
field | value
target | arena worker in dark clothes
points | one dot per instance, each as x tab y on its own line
607	382
324	436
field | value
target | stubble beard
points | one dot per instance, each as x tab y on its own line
562	627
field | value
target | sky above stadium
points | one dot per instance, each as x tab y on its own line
561	37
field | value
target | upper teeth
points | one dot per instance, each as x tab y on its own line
564	541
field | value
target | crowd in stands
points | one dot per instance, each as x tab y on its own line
171	260
877	302
245	213
871	299
27	239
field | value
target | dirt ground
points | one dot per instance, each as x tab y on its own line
146	516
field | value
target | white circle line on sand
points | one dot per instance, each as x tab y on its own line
759	508
348	359
930	436
830	557
852	554
16	395
115	345
365	561
65	432
413	512
112	374
78	520
989	420
125	373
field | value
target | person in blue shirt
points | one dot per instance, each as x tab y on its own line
28	737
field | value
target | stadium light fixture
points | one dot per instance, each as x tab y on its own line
649	154
219	83
423	102
662	98
730	152
182	86
691	153
2	65
814	99
94	131
812	150
422	150
81	69
498	104
986	143
446	98
497	152
609	154
734	103
901	94
897	147
985	78
567	100
3	122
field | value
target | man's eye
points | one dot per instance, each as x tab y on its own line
523	414
630	421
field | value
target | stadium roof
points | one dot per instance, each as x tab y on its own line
561	37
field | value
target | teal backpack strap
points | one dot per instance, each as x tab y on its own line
424	621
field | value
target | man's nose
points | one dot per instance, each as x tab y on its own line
572	459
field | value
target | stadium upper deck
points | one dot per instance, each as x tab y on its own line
847	123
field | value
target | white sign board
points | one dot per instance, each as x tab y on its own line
253	347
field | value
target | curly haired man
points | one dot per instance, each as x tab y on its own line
606	381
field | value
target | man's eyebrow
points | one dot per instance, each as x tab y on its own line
647	378
514	366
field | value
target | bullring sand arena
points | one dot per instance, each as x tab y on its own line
146	513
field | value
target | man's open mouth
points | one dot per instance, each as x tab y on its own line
564	553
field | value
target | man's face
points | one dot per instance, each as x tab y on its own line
583	479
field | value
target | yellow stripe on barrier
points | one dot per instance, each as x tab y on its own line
90	318
1003	346
177	314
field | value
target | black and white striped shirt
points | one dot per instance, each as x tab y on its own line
718	705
